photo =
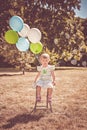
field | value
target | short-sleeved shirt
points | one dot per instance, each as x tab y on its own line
45	79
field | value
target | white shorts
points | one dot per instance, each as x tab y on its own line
44	84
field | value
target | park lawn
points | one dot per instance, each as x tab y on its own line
17	98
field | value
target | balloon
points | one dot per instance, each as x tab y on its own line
73	62
22	44
36	48
11	37
24	31
67	35
56	41
34	35
75	51
84	63
16	23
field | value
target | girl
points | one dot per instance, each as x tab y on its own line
45	78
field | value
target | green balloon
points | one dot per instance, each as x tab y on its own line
36	48
11	37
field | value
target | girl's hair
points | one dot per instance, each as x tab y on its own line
45	55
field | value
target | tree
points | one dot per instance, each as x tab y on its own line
60	29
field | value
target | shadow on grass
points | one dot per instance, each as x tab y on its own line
23	118
1	75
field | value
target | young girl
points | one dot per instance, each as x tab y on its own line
45	78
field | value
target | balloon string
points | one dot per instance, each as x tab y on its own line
36	56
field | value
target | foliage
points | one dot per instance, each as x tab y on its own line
62	33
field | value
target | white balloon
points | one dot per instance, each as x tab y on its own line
84	63
73	62
34	35
56	40
74	51
24	32
67	35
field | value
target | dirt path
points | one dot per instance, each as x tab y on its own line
69	102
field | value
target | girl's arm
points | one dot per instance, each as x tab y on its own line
37	77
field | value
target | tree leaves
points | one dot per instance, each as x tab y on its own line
54	18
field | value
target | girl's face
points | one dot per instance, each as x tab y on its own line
44	61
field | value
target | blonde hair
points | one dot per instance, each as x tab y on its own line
45	55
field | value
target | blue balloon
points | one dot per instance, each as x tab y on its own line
16	23
23	44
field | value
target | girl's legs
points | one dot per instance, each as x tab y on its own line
49	94
38	93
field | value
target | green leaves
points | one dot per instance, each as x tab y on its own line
61	31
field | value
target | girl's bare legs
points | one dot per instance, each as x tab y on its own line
38	93
49	97
49	94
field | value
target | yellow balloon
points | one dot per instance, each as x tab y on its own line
11	36
36	48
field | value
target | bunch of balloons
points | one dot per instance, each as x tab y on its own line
23	36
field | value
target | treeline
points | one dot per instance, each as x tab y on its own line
64	36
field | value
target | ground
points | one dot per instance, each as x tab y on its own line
17	97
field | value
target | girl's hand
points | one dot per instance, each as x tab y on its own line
54	83
34	85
